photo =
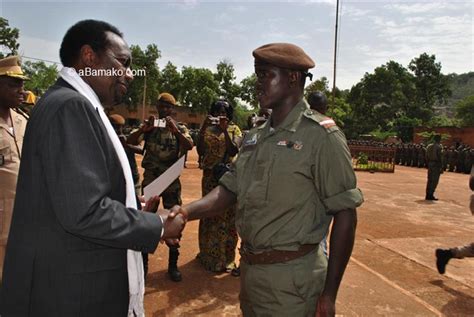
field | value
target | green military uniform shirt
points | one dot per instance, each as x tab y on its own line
434	153
289	181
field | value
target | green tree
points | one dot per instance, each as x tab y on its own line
241	114
226	79
431	86
321	84
144	60
41	76
199	88
171	80
248	92
381	97
8	39
465	111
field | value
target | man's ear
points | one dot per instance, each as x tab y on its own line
87	56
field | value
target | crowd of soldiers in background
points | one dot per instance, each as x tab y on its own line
456	158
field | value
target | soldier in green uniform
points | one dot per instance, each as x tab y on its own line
434	159
293	175
163	147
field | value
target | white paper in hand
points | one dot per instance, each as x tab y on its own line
156	187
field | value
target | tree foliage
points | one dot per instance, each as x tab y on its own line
170	80
248	92
465	111
8	39
431	85
41	76
199	88
226	80
144	59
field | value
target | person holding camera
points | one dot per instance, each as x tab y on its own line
218	142
165	142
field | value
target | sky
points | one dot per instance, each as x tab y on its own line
203	33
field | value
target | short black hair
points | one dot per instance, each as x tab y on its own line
222	103
85	32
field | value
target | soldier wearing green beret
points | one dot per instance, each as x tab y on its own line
164	145
293	175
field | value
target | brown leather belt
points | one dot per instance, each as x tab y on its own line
274	256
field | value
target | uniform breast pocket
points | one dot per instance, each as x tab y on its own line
5	152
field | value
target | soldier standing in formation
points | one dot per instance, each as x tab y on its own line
434	159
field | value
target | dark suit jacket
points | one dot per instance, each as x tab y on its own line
66	253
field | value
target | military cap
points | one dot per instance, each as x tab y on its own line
10	66
167	97
116	119
284	55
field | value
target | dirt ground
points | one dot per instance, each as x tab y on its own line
392	271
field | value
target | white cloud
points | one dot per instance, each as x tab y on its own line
428	7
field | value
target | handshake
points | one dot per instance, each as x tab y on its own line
174	220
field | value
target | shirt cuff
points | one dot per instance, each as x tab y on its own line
350	199
162	227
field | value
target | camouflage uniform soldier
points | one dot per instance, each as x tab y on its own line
433	157
163	147
292	176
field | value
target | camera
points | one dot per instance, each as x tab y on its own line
159	123
216	120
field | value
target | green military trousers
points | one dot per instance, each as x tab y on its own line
434	172
283	289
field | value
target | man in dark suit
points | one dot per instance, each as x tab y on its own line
67	249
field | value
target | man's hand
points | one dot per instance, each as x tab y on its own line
152	204
148	125
173	225
223	123
171	124
326	307
178	210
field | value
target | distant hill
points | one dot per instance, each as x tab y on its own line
462	86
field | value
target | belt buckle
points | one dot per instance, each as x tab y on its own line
244	254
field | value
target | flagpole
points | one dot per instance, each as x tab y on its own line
335	56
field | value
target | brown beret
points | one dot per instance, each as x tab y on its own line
116	119
284	55
167	97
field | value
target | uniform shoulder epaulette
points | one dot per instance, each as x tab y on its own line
324	121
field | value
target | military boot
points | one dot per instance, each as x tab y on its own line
174	273
442	259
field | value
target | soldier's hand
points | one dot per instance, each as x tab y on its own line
171	124
173	226
176	210
152	204
326	307
148	124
